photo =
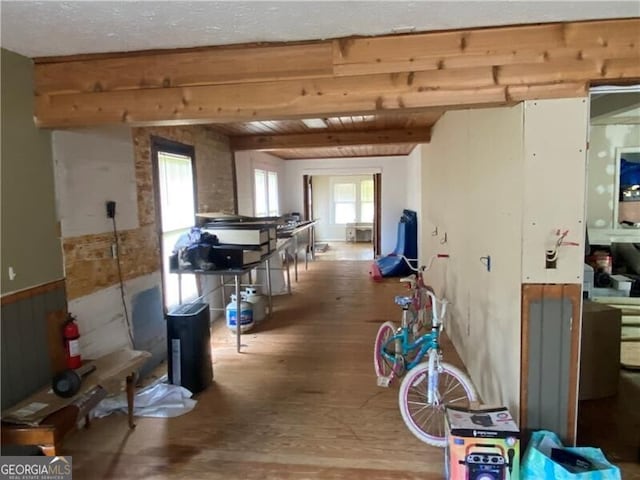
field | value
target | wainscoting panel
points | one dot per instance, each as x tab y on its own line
550	335
27	343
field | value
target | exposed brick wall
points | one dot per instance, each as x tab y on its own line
88	263
89	266
214	174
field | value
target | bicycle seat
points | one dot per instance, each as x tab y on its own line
403	301
410	279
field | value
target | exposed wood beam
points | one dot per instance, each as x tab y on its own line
260	101
361	75
330	139
201	67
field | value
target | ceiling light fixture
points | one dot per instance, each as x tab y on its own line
314	122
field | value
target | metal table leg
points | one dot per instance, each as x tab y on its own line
238	311
267	264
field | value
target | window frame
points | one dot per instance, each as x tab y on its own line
269	174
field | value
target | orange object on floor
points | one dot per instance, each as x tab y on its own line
376	274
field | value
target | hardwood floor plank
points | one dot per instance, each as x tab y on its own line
300	402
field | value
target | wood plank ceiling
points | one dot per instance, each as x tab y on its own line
377	95
344	136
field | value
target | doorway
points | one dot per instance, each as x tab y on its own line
175	188
610	355
347	209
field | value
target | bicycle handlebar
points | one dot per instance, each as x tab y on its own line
421	268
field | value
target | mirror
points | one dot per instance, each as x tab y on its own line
627	209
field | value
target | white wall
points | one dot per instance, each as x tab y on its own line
246	163
554	188
394	178
603	141
92	167
414	185
499	182
601	181
472	175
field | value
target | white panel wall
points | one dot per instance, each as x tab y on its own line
602	181
246	163
101	318
414	186
92	167
472	173
499	183
322	207
603	141
554	188
394	178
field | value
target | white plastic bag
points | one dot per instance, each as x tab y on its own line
157	400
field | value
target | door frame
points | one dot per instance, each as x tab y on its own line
161	144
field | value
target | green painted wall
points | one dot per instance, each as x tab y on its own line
30	242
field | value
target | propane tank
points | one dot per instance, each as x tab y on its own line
246	314
71	336
257	303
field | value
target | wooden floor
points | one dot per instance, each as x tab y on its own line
346	251
613	424
300	403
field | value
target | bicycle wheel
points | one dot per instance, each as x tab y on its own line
384	367
424	420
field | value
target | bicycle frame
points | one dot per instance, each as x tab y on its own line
405	340
425	343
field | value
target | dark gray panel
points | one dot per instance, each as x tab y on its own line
11	363
26	365
10	356
549	362
42	374
29	356
149	327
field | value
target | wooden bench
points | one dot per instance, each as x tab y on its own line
31	423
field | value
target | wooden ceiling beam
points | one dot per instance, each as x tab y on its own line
263	101
339	77
330	139
213	66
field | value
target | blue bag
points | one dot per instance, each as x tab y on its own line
538	465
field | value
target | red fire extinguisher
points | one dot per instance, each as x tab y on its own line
71	336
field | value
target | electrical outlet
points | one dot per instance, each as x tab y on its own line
111	209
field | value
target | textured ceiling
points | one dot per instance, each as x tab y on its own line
45	28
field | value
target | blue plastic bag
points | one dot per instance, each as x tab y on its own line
536	465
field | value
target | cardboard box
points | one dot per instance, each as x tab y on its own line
482	444
599	350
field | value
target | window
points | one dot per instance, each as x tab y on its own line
344	201
353	201
176	191
366	201
266	193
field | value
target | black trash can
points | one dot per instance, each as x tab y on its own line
188	347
